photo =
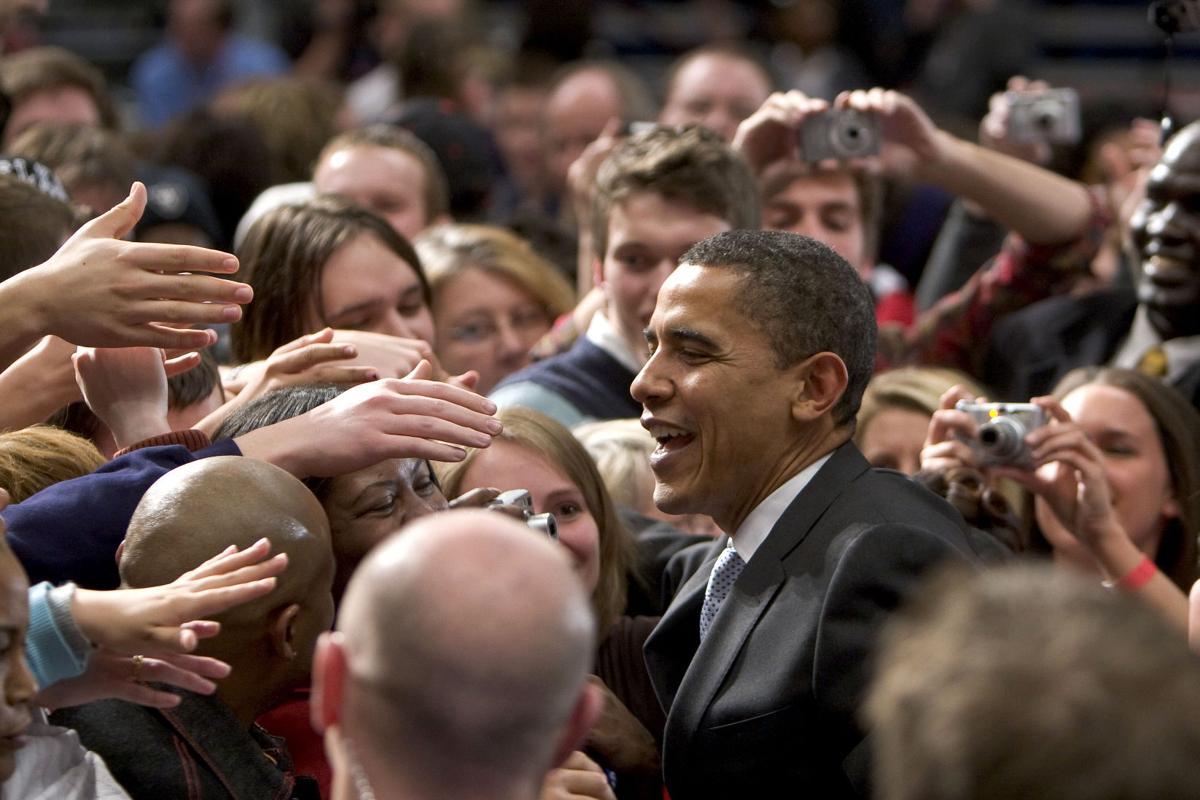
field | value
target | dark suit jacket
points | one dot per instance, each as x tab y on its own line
1032	350
767	706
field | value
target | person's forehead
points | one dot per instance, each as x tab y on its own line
374	164
696	295
652	218
398	470
366	265
63	103
1100	404
819	188
711	72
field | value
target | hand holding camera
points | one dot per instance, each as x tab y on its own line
1069	474
1001	430
873	129
1027	118
907	138
971	432
1034	444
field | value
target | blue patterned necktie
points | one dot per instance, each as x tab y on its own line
724	573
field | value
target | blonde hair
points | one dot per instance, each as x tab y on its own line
447	251
547	438
914	388
621	449
39	456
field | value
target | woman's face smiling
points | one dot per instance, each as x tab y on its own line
507	465
1139	478
365	286
367	506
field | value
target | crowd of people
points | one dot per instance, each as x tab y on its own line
393	414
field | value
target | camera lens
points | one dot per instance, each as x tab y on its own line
850	135
1003	439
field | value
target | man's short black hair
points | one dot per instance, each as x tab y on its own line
805	297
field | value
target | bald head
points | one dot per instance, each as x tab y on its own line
578	108
467	641
195	511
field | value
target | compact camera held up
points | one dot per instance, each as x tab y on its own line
1003	427
839	133
1050	116
520	500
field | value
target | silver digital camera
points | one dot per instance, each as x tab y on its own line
1003	427
839	133
1051	116
521	500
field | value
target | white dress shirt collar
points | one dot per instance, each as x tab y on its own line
754	529
1181	353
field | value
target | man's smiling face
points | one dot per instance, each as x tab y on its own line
714	398
1166	228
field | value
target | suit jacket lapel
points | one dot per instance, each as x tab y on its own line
670	647
751	595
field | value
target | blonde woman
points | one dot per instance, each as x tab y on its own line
493	299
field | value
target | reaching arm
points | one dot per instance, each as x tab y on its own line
100	291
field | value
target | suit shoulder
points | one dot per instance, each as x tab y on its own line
895	499
1058	313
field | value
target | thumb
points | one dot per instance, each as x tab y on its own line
120	219
423	371
466	380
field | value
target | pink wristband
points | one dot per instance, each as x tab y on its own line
1139	576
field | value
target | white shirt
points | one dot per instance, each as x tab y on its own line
754	529
1181	353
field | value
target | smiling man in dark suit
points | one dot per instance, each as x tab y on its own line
761	345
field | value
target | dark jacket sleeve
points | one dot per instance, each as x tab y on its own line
70	531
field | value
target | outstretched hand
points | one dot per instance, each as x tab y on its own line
910	139
769	135
147	635
100	291
166	620
413	417
112	675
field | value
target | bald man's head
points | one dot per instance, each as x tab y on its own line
466	643
195	511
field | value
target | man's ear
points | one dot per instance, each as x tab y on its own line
579	724
120	551
329	681
598	272
821	380
283	631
